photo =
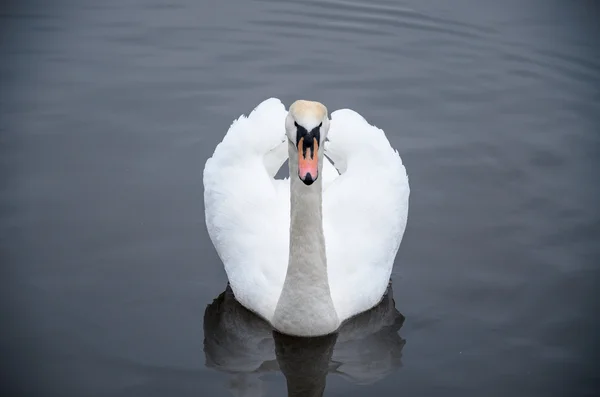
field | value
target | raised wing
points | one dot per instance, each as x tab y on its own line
247	211
365	212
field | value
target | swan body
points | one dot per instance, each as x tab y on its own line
312	250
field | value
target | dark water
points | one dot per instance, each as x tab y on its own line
109	110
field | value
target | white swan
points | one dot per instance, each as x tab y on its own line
308	252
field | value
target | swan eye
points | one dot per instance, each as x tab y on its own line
320	125
296	124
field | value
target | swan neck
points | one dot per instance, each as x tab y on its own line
307	241
305	307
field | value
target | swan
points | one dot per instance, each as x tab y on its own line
308	252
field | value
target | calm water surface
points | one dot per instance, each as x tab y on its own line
109	110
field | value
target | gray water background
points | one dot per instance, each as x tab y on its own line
109	110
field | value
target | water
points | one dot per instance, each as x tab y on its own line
110	109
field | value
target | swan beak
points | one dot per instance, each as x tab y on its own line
308	160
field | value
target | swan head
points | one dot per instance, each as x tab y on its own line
306	126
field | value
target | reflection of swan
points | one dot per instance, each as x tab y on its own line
309	252
366	349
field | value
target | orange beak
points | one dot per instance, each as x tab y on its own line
308	160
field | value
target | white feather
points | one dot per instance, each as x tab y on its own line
364	212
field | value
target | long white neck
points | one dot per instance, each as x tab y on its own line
305	307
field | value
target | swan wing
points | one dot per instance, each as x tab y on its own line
247	210
365	211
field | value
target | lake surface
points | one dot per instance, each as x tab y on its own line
109	110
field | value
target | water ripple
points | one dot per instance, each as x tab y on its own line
368	18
